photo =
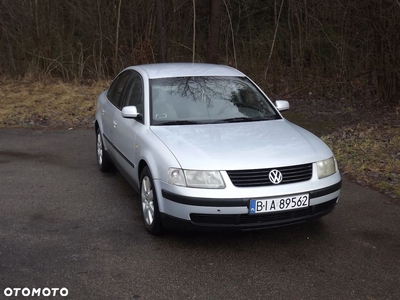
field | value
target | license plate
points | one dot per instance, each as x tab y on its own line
279	204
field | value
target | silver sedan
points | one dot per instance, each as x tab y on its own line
205	148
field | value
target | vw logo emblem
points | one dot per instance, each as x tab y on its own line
275	176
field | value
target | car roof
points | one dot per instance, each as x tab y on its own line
168	70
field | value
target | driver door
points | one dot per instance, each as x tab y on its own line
125	130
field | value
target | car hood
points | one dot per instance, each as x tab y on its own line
246	145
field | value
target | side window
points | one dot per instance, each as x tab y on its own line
116	88
134	93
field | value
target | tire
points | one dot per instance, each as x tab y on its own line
150	212
103	161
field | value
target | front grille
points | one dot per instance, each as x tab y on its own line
259	177
265	219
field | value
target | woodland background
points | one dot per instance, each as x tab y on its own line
339	49
337	61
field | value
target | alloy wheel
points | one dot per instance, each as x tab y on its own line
147	197
99	149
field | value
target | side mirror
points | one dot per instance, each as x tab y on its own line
282	105
130	112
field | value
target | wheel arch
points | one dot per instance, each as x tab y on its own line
141	166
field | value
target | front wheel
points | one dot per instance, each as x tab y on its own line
148	197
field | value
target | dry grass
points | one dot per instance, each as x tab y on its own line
370	154
51	104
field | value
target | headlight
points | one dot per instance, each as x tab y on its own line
326	167
204	179
176	177
196	178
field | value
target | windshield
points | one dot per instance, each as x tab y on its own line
199	100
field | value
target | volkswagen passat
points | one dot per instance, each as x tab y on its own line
206	148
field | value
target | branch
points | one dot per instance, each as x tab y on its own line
273	41
233	36
194	31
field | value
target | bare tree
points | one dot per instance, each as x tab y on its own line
385	23
335	48
117	37
194	31
214	35
162	38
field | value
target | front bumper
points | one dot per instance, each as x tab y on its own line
184	212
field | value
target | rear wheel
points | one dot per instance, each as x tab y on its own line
148	197
103	161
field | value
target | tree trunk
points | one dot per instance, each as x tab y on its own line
214	32
162	38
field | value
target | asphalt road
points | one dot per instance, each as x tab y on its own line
63	224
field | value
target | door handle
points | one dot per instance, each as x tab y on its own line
115	123
103	111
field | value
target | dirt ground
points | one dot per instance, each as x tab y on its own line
364	138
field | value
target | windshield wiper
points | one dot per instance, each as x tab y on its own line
179	122
244	119
228	120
